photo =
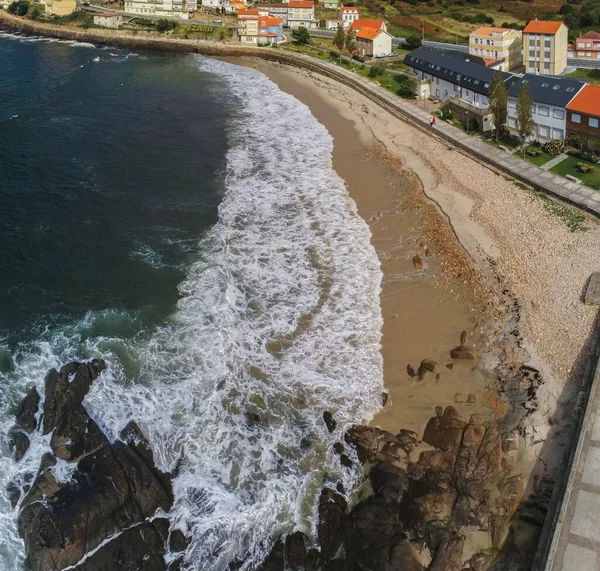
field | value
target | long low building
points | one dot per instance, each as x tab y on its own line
452	76
550	95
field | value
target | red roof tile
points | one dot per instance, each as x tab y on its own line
542	27
586	101
590	36
358	24
368	33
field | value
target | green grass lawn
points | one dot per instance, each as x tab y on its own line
539	160
509	143
568	167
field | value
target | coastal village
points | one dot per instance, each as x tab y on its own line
501	120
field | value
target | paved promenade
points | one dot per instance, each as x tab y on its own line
574	544
574	193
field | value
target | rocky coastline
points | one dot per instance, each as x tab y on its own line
99	505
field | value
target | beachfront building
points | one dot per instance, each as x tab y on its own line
348	14
275	10
545	47
161	8
463	86
358	25
583	117
237	5
248	26
331	4
550	95
270	30
302	13
60	7
587	46
500	47
373	42
108	19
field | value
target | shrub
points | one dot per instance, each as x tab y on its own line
35	11
584	168
413	41
533	152
301	36
374	71
554	147
408	88
333	55
164	25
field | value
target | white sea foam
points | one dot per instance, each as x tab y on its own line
23	38
147	255
279	317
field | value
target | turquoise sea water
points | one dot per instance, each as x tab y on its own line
180	218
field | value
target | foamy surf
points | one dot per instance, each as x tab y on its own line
278	321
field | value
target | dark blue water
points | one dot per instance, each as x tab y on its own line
109	172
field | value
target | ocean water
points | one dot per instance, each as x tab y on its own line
180	218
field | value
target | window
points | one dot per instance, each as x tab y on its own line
512	122
593	122
556	87
533	109
545	85
558	113
467	93
557	133
543	110
576	118
512	103
543	131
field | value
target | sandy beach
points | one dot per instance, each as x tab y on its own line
497	264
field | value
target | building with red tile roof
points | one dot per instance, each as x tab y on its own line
348	14
373	42
588	46
583	117
499	46
377	24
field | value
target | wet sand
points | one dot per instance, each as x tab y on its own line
424	310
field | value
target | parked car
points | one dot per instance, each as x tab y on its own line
217	21
393	54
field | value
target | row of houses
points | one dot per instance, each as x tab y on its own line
562	106
255	27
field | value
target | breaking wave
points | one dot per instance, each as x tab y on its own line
279	320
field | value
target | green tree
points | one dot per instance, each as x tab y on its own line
350	42
340	38
19	8
498	99
525	123
408	87
413	41
301	36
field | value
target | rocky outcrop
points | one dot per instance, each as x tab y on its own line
416	513
26	423
92	502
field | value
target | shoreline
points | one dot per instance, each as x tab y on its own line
485	234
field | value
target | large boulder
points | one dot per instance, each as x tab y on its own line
332	522
445	431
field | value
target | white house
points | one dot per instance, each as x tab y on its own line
108	19
218	5
348	14
164	8
373	42
333	24
550	95
275	10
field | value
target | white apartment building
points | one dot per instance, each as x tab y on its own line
161	8
502	45
301	13
550	97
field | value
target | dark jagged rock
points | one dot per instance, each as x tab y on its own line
332	519
389	481
329	421
345	461
338	447
67	388
448	556
403	557
18	443
25	415
98	518
275	561
295	550
139	548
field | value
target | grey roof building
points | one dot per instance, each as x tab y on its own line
548	89
455	69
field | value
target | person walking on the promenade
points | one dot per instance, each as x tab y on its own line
431	121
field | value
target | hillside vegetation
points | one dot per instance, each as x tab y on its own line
453	20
